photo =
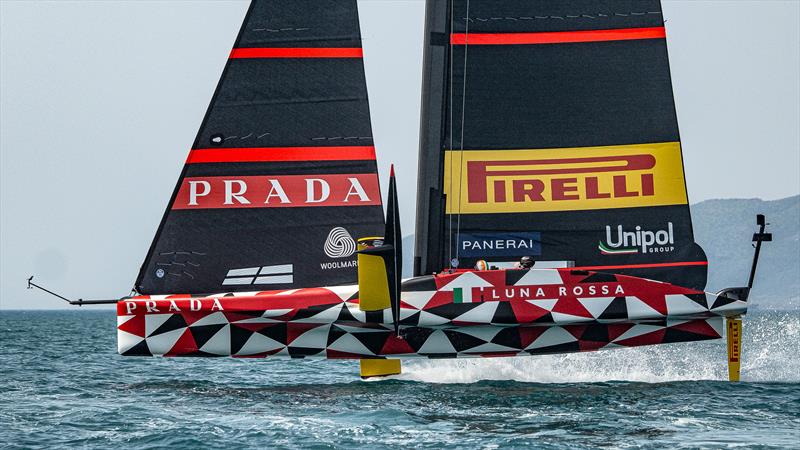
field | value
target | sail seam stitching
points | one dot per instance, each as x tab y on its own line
568	16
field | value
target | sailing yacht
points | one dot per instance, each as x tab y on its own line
548	130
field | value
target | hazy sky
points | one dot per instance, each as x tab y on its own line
100	101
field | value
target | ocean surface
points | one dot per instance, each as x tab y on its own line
63	385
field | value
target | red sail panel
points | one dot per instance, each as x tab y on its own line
259	154
557	37
299	52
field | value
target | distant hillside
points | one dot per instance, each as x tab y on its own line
724	229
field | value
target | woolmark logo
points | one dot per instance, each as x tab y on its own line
339	244
621	242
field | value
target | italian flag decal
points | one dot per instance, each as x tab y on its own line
622	251
462	296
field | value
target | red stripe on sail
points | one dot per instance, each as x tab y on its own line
263	154
281	52
557	37
643	266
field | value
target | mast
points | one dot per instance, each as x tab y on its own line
428	252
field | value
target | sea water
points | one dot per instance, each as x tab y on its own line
63	385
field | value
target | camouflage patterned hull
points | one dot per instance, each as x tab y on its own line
463	314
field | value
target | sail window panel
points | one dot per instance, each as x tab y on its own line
563	95
530	16
301	23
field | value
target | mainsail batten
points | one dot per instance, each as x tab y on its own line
282	175
557	120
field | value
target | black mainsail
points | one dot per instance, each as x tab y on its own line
281	178
549	129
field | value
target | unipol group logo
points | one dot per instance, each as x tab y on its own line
498	181
620	241
284	191
339	244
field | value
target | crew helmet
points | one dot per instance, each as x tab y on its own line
526	262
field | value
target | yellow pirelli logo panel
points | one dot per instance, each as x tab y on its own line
564	179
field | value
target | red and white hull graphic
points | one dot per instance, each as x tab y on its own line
464	314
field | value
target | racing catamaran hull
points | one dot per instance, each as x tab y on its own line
464	314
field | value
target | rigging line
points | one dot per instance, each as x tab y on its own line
450	216
463	108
